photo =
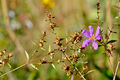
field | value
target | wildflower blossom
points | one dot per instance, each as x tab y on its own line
48	3
92	38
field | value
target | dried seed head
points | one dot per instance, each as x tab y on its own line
75	56
65	67
41	43
44	62
49	15
3	52
52	25
84	68
4	61
58	41
76	38
69	73
10	55
44	34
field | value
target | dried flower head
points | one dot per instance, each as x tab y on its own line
69	73
65	67
58	41
76	38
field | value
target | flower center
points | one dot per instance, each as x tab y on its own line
92	37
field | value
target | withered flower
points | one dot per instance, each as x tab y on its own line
76	38
58	41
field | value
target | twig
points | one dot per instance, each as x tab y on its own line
116	70
98	8
13	70
72	77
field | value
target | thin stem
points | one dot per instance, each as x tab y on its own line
116	70
72	77
98	8
13	70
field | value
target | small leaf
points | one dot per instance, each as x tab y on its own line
66	40
53	66
49	49
89	72
114	32
42	48
33	43
9	65
27	56
111	41
33	66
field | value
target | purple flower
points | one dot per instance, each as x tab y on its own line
92	37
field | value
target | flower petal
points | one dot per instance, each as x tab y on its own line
86	33
95	45
98	37
97	31
86	43
91	30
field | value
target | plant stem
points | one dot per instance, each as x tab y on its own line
72	77
13	70
116	70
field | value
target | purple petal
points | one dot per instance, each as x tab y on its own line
98	37
86	43
95	45
97	31
85	33
91	30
